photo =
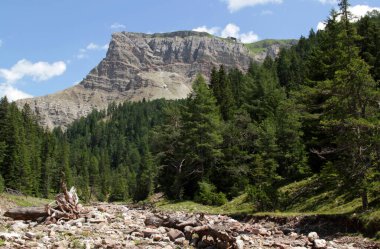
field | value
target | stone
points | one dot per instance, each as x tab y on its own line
175	234
10	236
153	221
19	226
263	231
179	241
312	236
293	235
319	244
148	232
239	244
245	237
157	237
30	235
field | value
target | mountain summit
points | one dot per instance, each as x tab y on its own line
144	66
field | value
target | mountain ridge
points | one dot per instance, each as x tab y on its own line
141	66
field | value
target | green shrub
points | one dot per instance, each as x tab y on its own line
208	195
2	186
265	198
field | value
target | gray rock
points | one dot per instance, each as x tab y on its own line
19	226
174	234
312	236
153	221
180	241
30	235
139	66
240	244
263	231
319	244
10	236
148	232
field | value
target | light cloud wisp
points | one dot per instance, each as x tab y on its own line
357	11
117	25
332	2
83	52
235	5
230	30
39	71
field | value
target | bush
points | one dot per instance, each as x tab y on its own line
2	186
208	195
264	197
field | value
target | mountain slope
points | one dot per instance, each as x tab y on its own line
139	66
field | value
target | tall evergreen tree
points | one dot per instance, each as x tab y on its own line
350	112
200	134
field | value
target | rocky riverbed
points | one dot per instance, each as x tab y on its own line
117	226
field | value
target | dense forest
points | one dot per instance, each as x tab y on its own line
313	110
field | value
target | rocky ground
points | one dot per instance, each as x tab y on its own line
117	226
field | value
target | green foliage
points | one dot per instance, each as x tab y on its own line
2	186
208	195
262	45
200	135
263	197
312	110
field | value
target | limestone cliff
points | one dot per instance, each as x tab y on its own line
141	66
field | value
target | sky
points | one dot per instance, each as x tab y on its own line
47	45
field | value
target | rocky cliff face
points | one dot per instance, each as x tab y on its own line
139	66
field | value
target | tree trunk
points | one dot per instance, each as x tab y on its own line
26	213
364	200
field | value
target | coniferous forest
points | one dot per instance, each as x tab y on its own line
314	110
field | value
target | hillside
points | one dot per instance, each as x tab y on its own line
146	66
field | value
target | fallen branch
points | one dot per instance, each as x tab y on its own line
65	207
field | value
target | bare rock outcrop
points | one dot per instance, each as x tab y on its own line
142	66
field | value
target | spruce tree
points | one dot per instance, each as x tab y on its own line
350	112
200	134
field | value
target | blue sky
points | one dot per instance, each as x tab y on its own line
47	45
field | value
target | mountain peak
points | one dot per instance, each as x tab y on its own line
142	66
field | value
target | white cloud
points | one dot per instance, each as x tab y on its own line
117	25
357	12
1	42
235	5
12	93
249	37
321	26
93	46
90	47
230	30
328	1
212	30
39	71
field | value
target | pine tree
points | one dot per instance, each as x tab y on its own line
350	112
200	135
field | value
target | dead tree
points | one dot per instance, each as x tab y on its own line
65	207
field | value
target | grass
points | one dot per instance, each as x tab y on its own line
239	205
24	201
261	46
309	197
